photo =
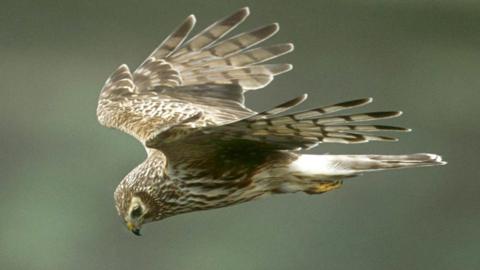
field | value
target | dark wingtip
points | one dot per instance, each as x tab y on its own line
190	21
386	114
356	102
244	10
238	16
290	47
388	139
392	128
294	102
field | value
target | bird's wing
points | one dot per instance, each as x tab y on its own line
272	130
242	147
194	83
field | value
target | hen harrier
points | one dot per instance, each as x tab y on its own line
205	149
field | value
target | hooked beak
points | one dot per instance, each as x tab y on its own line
131	227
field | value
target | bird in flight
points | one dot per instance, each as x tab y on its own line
206	149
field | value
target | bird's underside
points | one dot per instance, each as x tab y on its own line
206	149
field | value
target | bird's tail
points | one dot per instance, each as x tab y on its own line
320	173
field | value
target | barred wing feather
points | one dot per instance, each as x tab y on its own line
300	130
205	75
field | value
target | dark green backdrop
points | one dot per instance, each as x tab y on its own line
59	167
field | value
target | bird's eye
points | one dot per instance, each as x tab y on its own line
136	212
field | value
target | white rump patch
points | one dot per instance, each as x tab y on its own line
318	165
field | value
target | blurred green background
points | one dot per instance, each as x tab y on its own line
59	167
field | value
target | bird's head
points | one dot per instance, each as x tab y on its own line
135	209
140	197
135	215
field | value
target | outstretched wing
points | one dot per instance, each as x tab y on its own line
194	83
300	130
219	150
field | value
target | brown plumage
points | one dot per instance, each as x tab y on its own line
205	149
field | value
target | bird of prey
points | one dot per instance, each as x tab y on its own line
206	149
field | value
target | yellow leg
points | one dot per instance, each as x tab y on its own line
322	187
